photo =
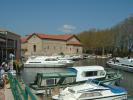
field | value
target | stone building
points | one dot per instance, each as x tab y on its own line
10	43
44	44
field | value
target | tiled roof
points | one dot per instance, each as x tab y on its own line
24	39
63	37
74	43
49	36
56	37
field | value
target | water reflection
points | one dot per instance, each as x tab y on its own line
127	81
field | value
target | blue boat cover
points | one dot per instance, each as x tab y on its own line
116	89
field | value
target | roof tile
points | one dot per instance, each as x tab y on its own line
63	37
74	43
56	37
24	39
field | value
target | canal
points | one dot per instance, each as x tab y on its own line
28	74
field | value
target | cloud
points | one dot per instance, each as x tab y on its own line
67	28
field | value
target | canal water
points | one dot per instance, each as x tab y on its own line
28	74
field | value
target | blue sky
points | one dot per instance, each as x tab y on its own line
62	16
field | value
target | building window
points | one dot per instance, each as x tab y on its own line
15	43
34	48
48	47
77	50
61	48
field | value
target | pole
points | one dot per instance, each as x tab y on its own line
6	45
2	54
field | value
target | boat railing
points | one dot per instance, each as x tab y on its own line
99	83
94	81
112	71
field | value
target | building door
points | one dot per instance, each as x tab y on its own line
34	48
77	50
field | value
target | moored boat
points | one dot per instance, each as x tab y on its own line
92	90
45	61
121	63
73	75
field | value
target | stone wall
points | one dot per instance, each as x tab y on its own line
50	47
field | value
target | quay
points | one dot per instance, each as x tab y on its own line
6	94
16	90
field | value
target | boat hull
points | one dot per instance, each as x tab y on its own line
115	97
120	66
43	65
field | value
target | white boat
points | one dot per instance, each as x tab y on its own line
68	62
73	75
44	61
121	63
71	57
92	91
83	73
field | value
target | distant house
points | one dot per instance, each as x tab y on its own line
47	44
9	44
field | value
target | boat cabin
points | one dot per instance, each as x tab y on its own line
54	79
84	73
70	76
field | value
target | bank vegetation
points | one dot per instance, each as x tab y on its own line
117	40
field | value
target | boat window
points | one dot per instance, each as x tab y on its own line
90	73
50	81
70	80
71	90
34	62
50	59
102	73
47	59
39	81
47	82
94	94
127	65
117	61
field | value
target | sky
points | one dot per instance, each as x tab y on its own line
62	16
